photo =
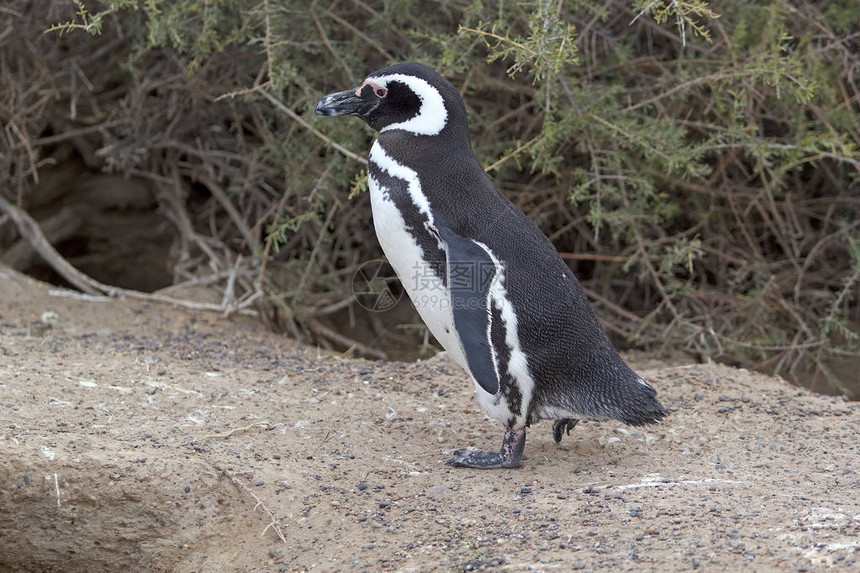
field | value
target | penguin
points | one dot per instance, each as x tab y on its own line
486	281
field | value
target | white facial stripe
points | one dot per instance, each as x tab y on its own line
431	118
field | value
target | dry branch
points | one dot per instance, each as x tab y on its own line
60	227
30	230
273	523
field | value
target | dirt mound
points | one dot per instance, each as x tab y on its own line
143	437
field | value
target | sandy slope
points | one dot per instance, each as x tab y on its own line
142	437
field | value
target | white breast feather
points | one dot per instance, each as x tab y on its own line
425	289
428	294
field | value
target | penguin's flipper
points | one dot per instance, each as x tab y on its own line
472	273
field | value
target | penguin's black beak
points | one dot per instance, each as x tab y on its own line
348	102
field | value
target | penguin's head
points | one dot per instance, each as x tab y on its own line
410	97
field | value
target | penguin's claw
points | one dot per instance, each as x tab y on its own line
468	458
510	456
562	426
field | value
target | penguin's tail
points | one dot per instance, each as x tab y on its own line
641	406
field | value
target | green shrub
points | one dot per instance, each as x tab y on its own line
695	163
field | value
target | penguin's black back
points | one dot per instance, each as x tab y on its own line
573	363
574	366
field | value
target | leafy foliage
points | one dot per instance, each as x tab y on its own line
695	162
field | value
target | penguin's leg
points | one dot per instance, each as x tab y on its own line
562	426
510	456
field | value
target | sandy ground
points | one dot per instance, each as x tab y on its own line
142	437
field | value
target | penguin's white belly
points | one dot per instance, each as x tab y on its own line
427	292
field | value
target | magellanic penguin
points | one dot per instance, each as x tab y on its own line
487	282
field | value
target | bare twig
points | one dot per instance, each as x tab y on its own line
30	229
370	41
342	340
234	430
335	54
55	229
301	121
273	523
222	198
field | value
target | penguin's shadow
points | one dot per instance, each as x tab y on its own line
594	447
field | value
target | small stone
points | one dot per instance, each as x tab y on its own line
579	565
384	504
362	486
187	489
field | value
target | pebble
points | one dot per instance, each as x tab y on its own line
362	486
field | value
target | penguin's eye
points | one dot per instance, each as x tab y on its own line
380	92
